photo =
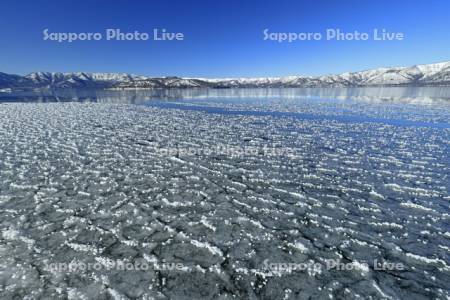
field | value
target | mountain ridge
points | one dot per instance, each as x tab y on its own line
417	75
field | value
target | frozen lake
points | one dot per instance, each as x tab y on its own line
252	193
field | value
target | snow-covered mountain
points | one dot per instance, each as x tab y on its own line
419	75
431	74
10	81
74	80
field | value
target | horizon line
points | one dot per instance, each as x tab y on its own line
236	77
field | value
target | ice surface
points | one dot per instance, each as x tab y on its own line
85	182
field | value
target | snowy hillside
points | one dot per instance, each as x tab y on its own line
419	75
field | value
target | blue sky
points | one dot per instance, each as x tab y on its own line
222	38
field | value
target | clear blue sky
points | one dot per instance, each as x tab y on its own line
222	38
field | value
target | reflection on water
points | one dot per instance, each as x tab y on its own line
412	95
